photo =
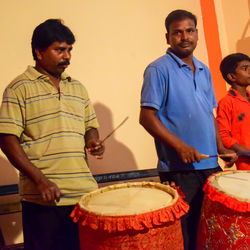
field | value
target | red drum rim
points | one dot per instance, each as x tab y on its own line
216	193
149	219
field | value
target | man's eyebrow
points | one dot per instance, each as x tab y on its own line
63	47
178	29
60	47
174	30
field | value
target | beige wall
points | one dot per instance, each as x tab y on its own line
115	40
237	25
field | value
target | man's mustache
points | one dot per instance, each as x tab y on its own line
64	63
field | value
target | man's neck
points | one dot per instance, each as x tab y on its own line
55	80
187	59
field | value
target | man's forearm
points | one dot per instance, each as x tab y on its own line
239	148
222	150
220	146
94	146
153	125
91	135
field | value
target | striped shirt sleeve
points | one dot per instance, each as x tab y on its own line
89	114
12	113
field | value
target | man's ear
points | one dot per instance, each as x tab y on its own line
167	38
38	54
231	77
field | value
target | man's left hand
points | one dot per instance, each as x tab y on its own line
95	148
230	159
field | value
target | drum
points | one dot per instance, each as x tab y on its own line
136	215
225	214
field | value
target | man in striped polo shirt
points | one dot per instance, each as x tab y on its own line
46	123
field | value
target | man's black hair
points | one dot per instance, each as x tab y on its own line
52	30
179	15
230	63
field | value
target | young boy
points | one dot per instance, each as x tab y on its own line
233	113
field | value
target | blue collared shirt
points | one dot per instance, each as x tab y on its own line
185	103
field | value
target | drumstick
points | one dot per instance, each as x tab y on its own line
105	138
203	156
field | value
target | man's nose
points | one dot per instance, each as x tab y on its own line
66	55
184	35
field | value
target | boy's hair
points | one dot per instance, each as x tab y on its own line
52	30
230	63
179	15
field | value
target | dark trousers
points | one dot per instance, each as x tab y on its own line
49	227
191	184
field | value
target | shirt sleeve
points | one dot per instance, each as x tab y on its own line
153	89
213	98
90	118
224	119
12	113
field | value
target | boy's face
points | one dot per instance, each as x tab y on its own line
242	74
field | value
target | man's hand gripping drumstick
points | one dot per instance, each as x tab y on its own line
96	147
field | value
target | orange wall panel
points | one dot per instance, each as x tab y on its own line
213	46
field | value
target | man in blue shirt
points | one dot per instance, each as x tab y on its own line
177	103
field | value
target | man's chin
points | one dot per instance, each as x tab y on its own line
184	55
184	52
63	67
57	73
60	70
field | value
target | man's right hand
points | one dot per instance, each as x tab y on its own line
11	147
188	154
48	190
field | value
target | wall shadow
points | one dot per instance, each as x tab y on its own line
117	157
8	174
242	44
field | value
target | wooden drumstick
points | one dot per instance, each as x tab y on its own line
203	156
105	138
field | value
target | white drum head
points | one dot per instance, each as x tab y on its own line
234	183
129	199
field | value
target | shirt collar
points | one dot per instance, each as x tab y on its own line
33	74
197	64
235	94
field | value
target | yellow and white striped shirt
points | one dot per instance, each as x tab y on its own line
51	126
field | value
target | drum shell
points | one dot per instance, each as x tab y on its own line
159	229
167	236
221	227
